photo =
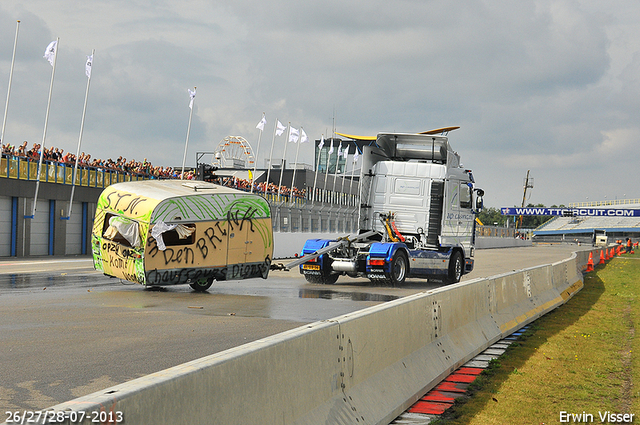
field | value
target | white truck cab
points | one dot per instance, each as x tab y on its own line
419	203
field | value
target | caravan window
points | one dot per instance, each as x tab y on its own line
183	234
121	230
173	234
465	196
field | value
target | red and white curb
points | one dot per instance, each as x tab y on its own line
443	395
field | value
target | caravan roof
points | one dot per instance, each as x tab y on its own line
177	201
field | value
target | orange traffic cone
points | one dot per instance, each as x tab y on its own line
590	263
619	251
601	257
613	253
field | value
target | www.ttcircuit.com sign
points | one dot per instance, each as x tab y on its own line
573	212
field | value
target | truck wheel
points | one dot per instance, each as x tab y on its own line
325	277
330	278
202	284
399	268
455	268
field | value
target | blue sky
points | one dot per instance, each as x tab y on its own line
547	86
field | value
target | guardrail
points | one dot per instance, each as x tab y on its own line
366	367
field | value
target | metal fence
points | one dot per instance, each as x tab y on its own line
604	203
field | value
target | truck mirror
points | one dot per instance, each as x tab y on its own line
479	203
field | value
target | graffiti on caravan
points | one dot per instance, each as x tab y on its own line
125	202
184	255
212	235
573	212
183	275
246	271
187	254
186	275
234	218
119	250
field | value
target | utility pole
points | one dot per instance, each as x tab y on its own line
528	184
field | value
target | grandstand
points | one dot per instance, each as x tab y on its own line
583	228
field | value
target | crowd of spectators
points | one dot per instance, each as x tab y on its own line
132	166
84	160
271	188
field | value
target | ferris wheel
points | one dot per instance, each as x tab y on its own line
234	152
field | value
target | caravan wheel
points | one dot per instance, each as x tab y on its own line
202	284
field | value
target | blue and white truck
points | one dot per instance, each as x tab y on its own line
416	216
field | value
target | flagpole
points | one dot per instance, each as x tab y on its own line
84	112
335	174
44	133
6	107
273	140
284	156
346	163
326	171
255	164
295	166
315	178
184	157
353	169
358	199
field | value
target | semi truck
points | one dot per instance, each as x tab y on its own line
416	216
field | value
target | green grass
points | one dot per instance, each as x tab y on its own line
577	358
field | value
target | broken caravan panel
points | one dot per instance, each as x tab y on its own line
420	202
169	232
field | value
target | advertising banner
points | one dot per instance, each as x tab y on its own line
572	212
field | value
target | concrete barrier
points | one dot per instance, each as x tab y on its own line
488	242
362	368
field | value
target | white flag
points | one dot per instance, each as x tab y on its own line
356	155
331	148
321	144
294	135
50	52
339	150
303	137
87	67
346	152
192	95
280	129
261	124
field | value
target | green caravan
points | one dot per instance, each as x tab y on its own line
171	232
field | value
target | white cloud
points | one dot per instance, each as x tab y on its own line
550	86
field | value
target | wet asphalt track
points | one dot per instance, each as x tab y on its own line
67	330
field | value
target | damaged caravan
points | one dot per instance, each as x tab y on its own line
171	232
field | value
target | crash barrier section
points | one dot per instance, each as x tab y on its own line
489	242
361	368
